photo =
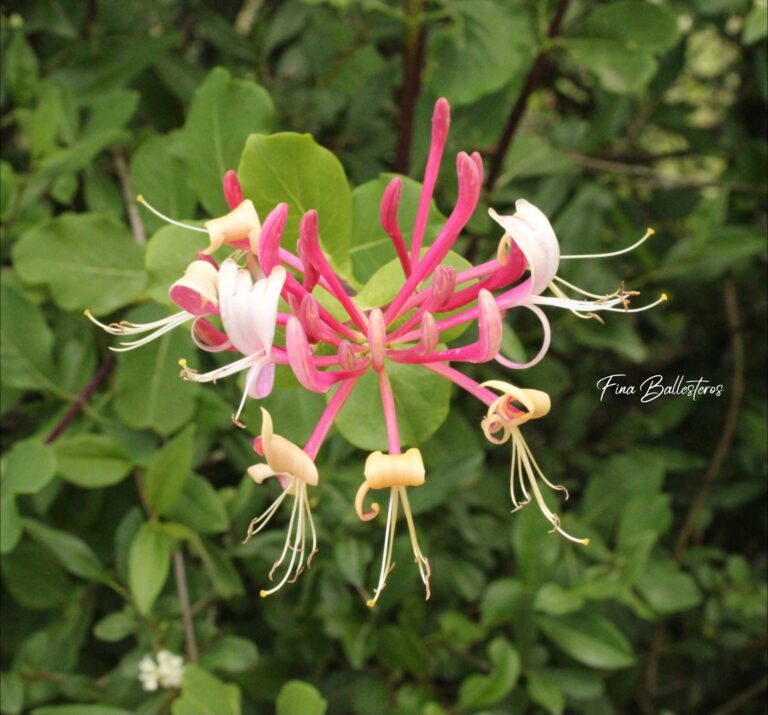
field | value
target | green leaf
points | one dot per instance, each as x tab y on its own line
34	578
667	589
26	342
149	391
199	507
370	247
352	556
481	691
115	626
231	653
169	251
536	550
638	24
92	461
459	630
544	691
148	562
28	467
755	24
169	471
486	47
11	694
79	155
297	696
501	601
72	552
619	69
41	126
292	168
10	523
222	115
553	599
158	174
576	683
222	572
110	110
203	694
422	400
20	68
87	261
81	709
589	639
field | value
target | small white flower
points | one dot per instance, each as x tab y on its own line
169	669
166	672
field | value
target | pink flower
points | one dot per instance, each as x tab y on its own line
327	353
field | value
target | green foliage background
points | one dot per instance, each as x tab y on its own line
644	114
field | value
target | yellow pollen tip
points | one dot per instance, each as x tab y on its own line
139	199
585	542
650	232
370	603
87	313
664	297
182	362
263	593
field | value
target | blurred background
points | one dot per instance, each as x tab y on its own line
611	117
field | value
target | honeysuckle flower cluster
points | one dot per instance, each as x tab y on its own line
234	305
165	673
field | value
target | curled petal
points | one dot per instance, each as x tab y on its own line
531	231
208	337
260	379
261	472
284	456
536	403
360	499
240	223
197	291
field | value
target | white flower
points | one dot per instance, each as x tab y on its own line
166	672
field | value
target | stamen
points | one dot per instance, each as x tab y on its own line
389	538
259	522
647	235
140	199
188	373
421	560
297	548
522	456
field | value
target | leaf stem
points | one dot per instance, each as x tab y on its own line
730	299
186	610
137	226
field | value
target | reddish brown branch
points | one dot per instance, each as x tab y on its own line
730	299
413	60
521	104
85	394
